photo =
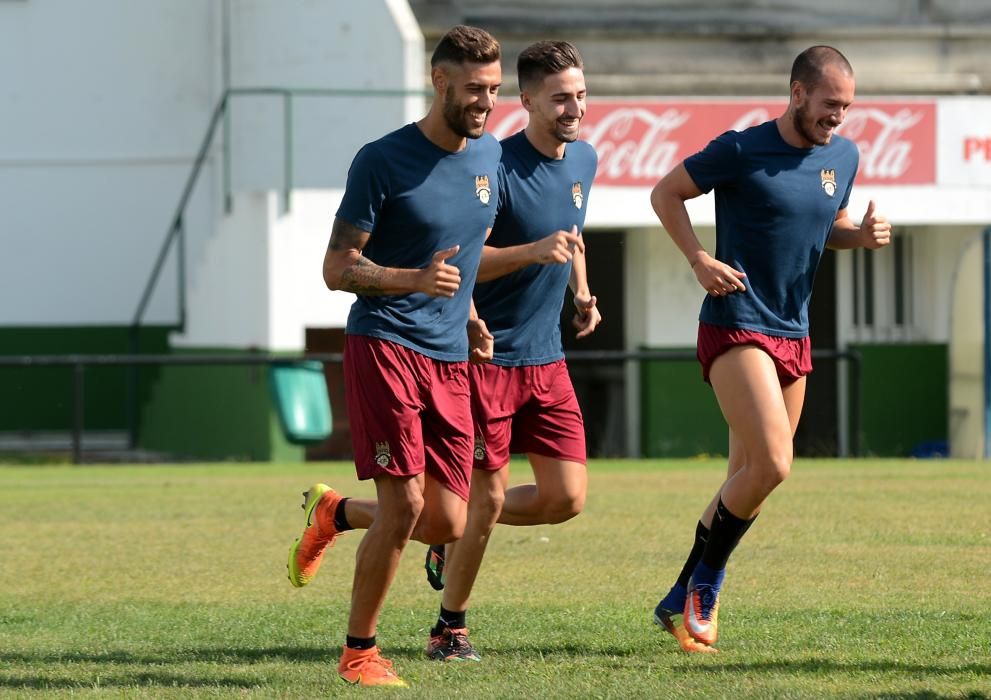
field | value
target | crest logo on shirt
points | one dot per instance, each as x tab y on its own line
482	190
383	455
576	194
479	447
828	181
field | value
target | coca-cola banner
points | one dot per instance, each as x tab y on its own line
638	141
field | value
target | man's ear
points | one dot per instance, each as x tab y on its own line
439	79
798	91
525	101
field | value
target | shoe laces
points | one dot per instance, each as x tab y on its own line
362	662
458	638
708	596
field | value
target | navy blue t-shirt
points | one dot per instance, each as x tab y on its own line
775	208
537	196
415	199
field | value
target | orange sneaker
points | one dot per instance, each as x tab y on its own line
367	667
672	622
702	612
306	552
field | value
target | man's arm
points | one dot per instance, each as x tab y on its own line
874	231
481	343
668	199
345	268
587	316
557	248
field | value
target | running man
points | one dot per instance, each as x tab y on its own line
781	193
523	401
407	240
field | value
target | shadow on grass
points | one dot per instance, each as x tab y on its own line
830	666
926	695
179	656
145	679
34	665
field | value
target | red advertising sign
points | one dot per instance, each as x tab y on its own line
638	141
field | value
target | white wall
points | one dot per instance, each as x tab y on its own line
663	297
228	303
105	103
297	296
331	44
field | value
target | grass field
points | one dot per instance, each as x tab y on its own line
861	579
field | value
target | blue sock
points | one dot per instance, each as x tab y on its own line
674	601
709	577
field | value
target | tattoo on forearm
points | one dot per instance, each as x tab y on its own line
364	277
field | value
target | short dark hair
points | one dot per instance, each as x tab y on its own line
464	44
810	65
544	58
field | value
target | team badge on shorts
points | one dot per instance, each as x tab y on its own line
479	447
828	181
383	455
576	194
482	190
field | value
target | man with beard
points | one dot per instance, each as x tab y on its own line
523	401
781	195
407	240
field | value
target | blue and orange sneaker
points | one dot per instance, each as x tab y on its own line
367	667
451	645
306	553
434	564
702	612
671	620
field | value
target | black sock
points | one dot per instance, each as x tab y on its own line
341	523
701	537
359	642
450	619
724	535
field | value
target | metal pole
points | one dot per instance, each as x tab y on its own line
987	342
225	75
181	263
855	428
132	390
77	413
287	144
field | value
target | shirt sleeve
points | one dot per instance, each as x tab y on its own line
855	158
717	163
500	187
366	189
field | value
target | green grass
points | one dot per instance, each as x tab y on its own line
861	579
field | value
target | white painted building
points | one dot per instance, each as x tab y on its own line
106	103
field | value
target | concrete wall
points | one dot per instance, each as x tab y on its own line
105	105
258	282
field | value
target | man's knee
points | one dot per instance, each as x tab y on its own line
442	525
775	468
486	507
564	507
441	531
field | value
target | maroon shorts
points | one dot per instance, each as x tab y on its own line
529	409
792	356
409	414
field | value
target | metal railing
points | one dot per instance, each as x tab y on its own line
78	364
176	232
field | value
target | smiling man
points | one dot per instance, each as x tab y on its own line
523	401
781	193
407	240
